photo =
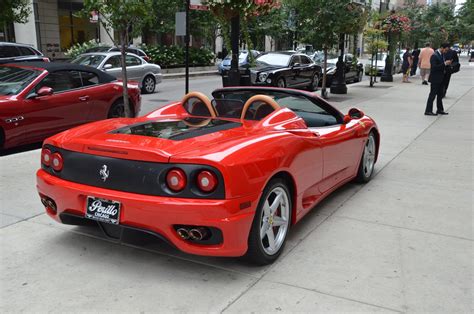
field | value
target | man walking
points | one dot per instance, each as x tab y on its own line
424	62
451	55
438	69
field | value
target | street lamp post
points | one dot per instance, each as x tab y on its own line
234	72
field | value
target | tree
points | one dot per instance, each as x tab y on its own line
127	18
14	11
465	18
321	23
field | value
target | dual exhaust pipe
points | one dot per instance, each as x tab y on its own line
194	233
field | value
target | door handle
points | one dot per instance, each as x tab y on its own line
84	98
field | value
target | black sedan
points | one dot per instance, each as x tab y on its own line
354	70
285	69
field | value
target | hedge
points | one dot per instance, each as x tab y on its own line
174	56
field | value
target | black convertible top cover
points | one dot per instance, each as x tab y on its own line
63	66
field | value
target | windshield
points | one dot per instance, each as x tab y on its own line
381	56
98	49
274	59
242	56
14	80
320	57
90	60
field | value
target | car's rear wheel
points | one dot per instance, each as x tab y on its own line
117	110
367	162
271	224
359	76
314	83
148	85
281	82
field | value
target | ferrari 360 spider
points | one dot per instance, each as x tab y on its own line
226	177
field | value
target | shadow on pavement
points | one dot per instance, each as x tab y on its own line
20	149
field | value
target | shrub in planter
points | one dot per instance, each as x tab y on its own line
174	56
78	49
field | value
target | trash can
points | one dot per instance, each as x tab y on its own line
244	78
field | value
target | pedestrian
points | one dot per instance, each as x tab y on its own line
406	65
451	55
424	63
438	69
415	55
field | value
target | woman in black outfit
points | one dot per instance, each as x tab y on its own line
406	65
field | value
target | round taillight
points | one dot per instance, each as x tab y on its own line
46	157
176	180
206	181
57	162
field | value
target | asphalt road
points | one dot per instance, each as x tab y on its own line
174	89
401	243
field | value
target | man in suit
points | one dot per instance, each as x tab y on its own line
438	69
453	56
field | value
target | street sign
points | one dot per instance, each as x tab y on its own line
180	19
197	5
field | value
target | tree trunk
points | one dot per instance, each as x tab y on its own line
123	46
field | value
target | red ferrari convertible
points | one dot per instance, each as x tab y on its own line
38	100
226	177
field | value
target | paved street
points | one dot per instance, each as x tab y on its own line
402	243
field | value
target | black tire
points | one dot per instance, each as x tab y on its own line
359	76
280	82
365	173
314	83
148	85
2	138
256	253
117	110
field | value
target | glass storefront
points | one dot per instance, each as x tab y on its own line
72	28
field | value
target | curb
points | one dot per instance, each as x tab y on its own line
191	74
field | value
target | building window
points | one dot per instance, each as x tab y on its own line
74	29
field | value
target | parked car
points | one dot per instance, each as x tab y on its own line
146	74
381	58
12	52
139	52
354	70
38	100
226	177
244	60
286	69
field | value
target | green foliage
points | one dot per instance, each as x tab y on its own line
78	49
174	56
14	11
466	21
322	21
127	17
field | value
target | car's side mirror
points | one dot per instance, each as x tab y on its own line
107	66
44	91
347	119
355	113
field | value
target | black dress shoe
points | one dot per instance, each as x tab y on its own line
425	83
430	114
442	113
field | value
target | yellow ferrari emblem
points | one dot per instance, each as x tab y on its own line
362	124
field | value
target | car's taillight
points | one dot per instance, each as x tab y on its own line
46	157
57	162
146	58
46	59
207	181
176	180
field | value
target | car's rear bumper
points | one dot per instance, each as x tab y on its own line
159	215
158	78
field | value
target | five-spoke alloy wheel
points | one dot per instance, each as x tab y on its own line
367	163
271	223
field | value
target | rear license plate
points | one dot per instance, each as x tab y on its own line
103	210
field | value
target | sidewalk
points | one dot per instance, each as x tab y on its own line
401	243
175	73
